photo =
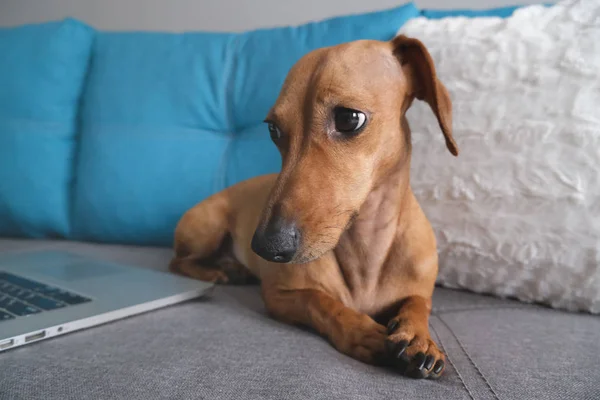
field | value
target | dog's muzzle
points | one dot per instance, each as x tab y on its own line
277	242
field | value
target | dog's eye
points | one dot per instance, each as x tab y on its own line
274	131
348	120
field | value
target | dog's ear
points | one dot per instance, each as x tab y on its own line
423	83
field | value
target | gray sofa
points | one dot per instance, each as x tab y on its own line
226	347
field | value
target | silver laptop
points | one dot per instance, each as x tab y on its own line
46	294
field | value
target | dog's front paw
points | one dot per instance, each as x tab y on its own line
413	350
364	341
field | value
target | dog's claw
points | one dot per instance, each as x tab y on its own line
423	366
416	373
416	367
401	348
429	362
438	367
419	361
420	366
392	326
396	350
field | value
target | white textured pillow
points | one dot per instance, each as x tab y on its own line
518	212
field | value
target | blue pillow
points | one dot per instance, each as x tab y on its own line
154	131
251	154
41	77
169	119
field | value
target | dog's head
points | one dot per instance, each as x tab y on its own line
340	128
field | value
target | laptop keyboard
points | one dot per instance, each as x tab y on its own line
20	297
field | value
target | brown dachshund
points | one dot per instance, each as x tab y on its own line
337	238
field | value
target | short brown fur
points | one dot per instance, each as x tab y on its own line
368	255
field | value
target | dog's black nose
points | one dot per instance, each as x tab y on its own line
278	242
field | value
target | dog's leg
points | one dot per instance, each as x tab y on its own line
222	269
236	272
192	267
200	244
351	332
409	339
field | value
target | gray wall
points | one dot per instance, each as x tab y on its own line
213	15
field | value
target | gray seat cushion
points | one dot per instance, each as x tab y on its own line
226	347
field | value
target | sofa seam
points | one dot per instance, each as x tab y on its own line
229	83
464	350
78	143
457	310
221	181
460	378
526	307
